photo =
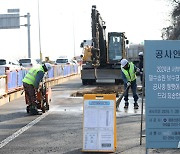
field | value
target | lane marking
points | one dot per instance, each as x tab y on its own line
23	129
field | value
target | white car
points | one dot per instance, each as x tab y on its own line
8	65
62	61
28	62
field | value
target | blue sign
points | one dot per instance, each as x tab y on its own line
162	89
99	102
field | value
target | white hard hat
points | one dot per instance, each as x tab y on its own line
140	53
48	66
124	62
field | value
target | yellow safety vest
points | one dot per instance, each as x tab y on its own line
31	75
130	74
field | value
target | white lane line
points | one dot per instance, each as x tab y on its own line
23	129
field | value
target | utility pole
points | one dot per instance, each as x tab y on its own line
28	29
73	33
28	32
40	53
74	39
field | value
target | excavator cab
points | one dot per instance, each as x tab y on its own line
116	47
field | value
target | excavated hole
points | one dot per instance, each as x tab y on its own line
100	90
118	90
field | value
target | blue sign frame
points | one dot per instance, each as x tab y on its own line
162	89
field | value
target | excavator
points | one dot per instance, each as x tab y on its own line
101	57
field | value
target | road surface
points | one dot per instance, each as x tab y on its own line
60	129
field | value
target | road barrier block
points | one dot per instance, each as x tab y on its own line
15	95
4	99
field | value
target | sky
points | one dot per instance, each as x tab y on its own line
64	24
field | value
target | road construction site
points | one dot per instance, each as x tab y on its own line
60	130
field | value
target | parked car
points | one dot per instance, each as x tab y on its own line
28	62
62	61
6	64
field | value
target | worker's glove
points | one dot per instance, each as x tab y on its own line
37	90
40	84
141	72
128	84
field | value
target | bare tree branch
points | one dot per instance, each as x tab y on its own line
172	32
176	1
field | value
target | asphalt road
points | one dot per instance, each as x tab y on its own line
60	130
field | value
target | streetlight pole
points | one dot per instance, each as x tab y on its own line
28	28
74	39
73	33
40	53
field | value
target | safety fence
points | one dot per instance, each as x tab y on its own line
3	85
12	81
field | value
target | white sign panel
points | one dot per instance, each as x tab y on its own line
98	125
9	21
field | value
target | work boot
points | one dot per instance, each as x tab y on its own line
136	106
126	105
34	110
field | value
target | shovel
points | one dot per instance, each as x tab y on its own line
120	98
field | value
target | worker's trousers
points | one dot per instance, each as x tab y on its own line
133	88
30	94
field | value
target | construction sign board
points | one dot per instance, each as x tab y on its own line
162	81
99	124
9	21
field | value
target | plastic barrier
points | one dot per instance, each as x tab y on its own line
3	85
51	73
2	71
58	70
75	69
20	76
11	79
66	70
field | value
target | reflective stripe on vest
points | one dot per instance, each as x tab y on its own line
130	74
31	75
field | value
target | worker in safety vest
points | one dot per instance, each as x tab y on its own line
129	77
31	83
47	60
141	66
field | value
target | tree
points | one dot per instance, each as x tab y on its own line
172	32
